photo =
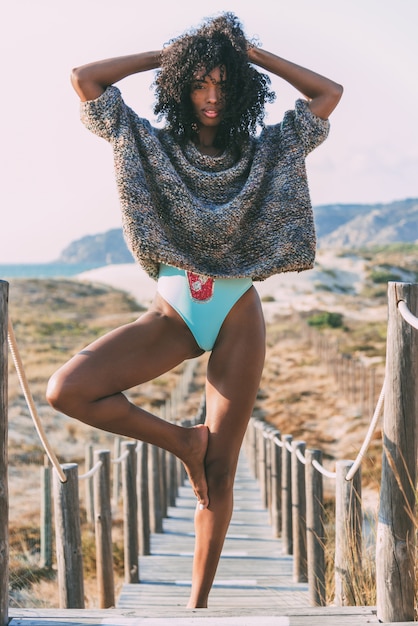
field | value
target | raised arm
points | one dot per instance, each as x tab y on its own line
323	93
91	80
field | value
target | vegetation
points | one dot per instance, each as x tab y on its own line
326	319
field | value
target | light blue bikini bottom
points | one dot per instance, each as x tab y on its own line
203	317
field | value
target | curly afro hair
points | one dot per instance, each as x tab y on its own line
218	41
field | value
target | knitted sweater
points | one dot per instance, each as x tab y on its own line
245	215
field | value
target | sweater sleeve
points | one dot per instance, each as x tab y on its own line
107	115
310	129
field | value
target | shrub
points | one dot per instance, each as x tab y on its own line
326	319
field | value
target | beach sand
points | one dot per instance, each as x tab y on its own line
319	288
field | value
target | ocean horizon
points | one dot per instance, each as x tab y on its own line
44	270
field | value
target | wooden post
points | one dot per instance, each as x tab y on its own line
103	528
395	544
68	539
162	455
348	538
253	447
300	573
4	489
143	499
261	456
156	518
172	479
89	485
46	516
287	496
315	539
276	484
267	452
116	471
130	514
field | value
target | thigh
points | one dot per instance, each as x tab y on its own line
132	354
233	377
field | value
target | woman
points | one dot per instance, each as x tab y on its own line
207	207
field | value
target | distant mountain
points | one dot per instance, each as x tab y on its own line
102	249
355	225
338	226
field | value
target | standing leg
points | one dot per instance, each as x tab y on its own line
233	378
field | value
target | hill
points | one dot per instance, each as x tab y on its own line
339	226
351	226
102	249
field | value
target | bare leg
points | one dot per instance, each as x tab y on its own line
89	387
234	373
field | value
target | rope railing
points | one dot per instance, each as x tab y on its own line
369	435
365	446
407	314
321	469
121	458
91	471
14	351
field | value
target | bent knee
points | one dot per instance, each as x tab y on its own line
60	394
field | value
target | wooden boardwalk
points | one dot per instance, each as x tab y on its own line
253	586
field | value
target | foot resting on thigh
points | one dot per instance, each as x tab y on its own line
194	462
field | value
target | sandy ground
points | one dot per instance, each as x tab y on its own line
317	288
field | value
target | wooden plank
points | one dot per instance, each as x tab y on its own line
326	616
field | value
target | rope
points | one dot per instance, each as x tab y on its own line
363	449
91	471
122	457
321	469
288	446
29	400
300	456
407	315
366	442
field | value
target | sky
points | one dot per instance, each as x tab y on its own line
57	181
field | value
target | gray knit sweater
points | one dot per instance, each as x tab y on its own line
246	215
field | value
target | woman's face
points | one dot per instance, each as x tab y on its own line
208	96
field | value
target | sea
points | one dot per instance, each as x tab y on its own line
43	270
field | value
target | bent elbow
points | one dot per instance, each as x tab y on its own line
338	92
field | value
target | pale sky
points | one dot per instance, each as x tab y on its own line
57	180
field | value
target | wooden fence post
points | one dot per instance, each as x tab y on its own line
117	446
103	530
287	496
172	487
68	539
348	534
300	573
261	458
315	535
276	484
130	514
156	517
89	490
143	499
4	489
162	456
46	516
396	524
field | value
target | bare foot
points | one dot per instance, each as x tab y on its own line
194	462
